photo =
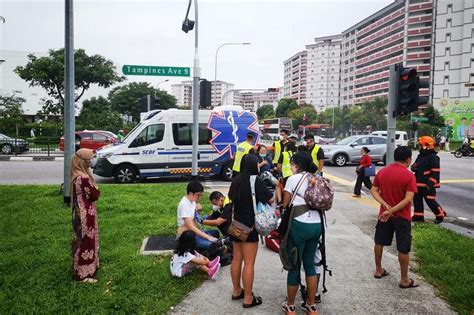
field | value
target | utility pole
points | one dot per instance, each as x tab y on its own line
392	112
69	119
148	103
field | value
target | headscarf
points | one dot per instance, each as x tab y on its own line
80	164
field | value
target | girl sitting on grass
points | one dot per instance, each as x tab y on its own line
186	258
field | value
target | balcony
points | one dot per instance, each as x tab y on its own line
379	55
380	65
423	55
420	19
372	88
381	33
380	22
363	99
420	7
419	43
390	40
420	31
373	77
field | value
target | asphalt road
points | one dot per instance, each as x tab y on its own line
456	194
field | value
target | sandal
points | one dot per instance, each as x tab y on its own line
238	297
257	300
89	280
288	309
309	308
412	284
384	274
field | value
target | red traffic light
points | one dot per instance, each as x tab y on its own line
407	74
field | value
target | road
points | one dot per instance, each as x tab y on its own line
456	193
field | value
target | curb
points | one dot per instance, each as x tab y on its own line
31	158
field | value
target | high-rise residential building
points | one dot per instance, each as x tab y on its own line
295	77
322	88
399	33
254	100
219	89
454	52
183	93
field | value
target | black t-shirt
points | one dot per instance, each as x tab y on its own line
243	205
226	214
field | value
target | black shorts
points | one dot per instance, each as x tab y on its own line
401	227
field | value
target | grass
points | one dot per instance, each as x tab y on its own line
447	261
35	263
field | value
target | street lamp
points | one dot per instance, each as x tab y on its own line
156	86
215	62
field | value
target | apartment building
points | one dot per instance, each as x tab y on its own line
454	52
295	77
219	89
254	100
183	93
323	73
401	32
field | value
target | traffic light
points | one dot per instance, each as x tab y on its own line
188	25
205	88
144	103
409	85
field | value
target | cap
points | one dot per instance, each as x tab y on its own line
293	136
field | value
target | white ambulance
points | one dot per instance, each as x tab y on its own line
161	144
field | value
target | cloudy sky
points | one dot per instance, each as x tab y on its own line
149	32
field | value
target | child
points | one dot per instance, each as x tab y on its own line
265	161
186	258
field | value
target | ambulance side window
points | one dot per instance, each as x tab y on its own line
182	134
149	135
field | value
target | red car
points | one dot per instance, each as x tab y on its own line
91	139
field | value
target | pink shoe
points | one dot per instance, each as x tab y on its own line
215	261
212	273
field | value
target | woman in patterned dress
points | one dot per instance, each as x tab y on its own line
84	193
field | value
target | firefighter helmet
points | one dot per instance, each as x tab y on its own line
427	143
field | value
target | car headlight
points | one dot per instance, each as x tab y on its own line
105	155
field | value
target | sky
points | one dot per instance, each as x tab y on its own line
149	32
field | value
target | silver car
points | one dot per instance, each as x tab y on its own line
348	149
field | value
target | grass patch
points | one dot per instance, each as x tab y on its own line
447	261
35	262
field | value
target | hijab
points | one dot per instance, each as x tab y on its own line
80	164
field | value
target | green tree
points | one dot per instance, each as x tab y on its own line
48	72
265	111
375	113
434	123
125	99
285	105
298	114
96	113
11	114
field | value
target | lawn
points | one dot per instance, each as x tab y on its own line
35	258
447	261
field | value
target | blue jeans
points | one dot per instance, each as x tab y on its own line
202	243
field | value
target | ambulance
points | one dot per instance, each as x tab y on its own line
161	144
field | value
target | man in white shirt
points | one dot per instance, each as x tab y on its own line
186	212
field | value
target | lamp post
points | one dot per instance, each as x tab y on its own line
156	86
217	51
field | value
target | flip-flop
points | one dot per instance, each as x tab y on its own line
384	274
412	284
238	297
255	302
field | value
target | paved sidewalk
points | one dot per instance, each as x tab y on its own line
352	288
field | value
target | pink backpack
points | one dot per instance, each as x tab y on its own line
320	195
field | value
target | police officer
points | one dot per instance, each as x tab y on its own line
317	154
242	149
279	145
427	171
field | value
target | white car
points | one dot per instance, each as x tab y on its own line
401	137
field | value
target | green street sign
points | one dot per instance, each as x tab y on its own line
156	71
418	119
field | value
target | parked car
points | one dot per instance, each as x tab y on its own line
91	139
11	145
401	137
348	149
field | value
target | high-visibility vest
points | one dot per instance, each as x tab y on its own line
286	165
277	152
242	149
226	201
314	155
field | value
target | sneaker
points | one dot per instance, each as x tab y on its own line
309	309
214	262
438	220
212	273
317	298
288	309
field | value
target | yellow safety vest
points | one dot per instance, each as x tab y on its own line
277	152
226	201
286	166
314	155
242	149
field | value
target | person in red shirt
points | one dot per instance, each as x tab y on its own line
365	161
394	188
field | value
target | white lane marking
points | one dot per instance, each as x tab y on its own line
463	218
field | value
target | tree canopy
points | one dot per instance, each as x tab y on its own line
285	105
96	113
265	111
11	113
297	115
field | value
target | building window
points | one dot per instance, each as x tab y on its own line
448	22
446	79
448	51
448	37
445	93
446	65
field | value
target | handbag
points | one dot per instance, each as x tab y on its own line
238	229
369	171
266	220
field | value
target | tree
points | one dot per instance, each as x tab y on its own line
125	99
48	72
285	105
97	113
11	113
265	111
434	123
298	114
375	113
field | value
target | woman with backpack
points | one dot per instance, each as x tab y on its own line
365	161
302	235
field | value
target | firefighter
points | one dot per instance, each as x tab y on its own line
242	149
427	172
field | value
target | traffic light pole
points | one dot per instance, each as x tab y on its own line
196	75
392	112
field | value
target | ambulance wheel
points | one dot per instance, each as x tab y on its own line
226	172
125	174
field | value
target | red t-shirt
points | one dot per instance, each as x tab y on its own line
393	182
365	161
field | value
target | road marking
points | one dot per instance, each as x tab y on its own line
339	180
463	218
452	181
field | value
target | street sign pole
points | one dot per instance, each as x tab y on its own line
69	122
391	113
196	75
148	103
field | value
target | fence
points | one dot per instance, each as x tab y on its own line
16	147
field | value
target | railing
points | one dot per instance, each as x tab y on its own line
22	147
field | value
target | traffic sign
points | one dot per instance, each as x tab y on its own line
156	71
418	119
